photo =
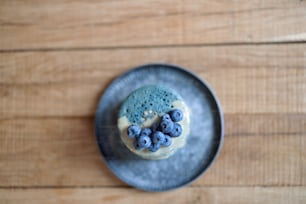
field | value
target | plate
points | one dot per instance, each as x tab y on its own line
188	163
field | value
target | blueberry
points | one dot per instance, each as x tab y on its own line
146	131
158	137
144	141
166	126
137	145
154	147
176	115
166	117
133	131
155	127
167	141
176	131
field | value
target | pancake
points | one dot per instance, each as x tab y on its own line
144	107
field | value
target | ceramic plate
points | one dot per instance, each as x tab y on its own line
188	163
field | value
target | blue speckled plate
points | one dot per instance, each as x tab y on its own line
188	163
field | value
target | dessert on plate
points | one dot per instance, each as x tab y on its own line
154	122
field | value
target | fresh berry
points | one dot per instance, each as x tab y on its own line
159	134
154	147
137	145
176	115
144	141
166	117
158	137
167	141
166	126
176	131
146	131
133	131
155	127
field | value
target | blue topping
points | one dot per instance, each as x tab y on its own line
159	134
158	137
155	127
146	131
152	97
166	117
144	141
167	141
133	131
154	147
176	115
166	126
137	145
176	131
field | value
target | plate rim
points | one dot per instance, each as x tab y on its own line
204	83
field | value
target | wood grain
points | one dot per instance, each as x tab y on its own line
48	67
247	79
259	149
73	24
216	195
57	57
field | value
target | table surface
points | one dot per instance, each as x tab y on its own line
57	57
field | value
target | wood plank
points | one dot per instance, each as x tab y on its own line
69	24
259	149
216	195
47	152
45	67
270	78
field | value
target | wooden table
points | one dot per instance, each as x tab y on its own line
57	57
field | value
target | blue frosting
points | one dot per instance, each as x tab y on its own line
155	98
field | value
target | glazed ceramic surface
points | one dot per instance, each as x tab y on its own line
188	163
